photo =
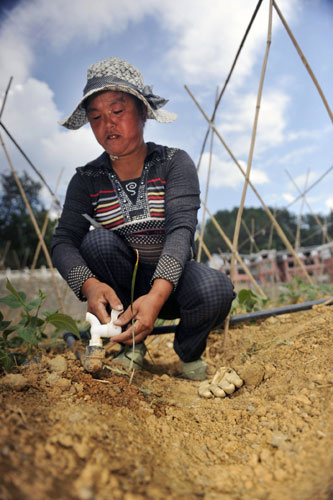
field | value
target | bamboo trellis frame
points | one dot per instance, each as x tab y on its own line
269	213
238	257
315	216
34	223
253	139
298	231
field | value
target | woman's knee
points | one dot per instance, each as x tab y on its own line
208	286
100	242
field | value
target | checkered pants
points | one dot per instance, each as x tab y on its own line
201	300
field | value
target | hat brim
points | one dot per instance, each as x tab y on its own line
78	117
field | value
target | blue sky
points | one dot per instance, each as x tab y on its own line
47	47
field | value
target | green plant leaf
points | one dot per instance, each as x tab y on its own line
34	304
6	361
4	324
29	335
20	296
49	313
63	322
13	301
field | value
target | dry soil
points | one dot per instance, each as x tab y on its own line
65	434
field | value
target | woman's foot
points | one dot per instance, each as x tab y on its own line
194	370
131	358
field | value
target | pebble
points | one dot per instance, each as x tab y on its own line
251	373
278	439
301	398
14	381
58	364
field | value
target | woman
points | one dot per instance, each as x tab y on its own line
140	196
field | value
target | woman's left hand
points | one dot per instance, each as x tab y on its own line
145	312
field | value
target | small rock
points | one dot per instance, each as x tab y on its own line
58	364
272	320
14	381
165	376
301	398
63	383
251	373
52	379
269	371
65	440
278	439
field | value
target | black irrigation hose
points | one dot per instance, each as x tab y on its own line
239	318
252	316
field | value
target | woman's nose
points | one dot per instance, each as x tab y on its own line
110	118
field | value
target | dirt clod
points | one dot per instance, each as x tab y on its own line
14	381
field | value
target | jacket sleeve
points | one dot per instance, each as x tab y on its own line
67	238
182	202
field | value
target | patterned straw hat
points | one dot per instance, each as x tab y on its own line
117	74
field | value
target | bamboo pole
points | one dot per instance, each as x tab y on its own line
271	229
5	96
298	231
207	252
34	223
3	257
46	220
29	162
269	213
255	12
316	218
305	62
253	139
203	219
238	257
251	236
249	162
310	187
316	232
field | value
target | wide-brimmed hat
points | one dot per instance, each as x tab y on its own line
117	74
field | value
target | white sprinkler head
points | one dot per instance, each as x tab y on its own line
97	331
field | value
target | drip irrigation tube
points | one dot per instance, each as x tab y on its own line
239	318
252	316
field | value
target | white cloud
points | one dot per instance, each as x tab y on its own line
227	174
288	197
207	36
237	123
203	38
329	203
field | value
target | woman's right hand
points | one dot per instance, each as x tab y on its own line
98	296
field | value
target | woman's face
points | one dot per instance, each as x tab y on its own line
117	122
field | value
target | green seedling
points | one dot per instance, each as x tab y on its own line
298	290
20	342
249	301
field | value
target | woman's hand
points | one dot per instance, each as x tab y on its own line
145	312
99	295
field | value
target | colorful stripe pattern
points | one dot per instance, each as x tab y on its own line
145	230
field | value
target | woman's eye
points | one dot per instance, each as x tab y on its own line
118	112
95	117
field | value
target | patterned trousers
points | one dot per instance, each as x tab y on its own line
202	299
